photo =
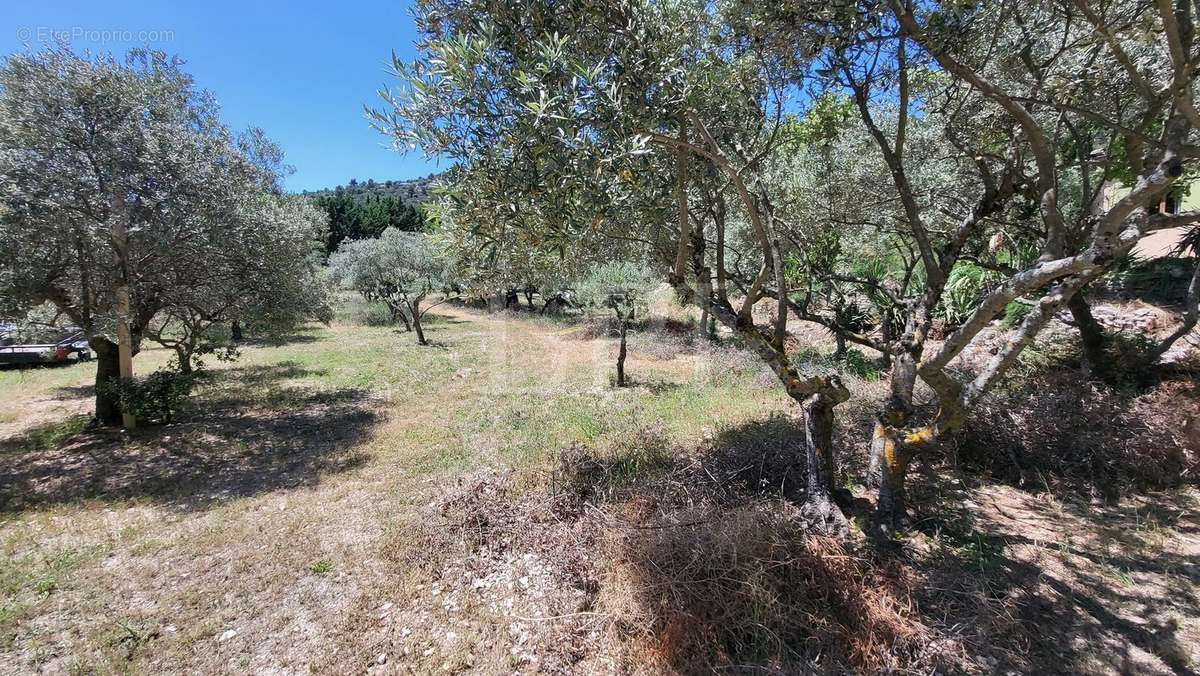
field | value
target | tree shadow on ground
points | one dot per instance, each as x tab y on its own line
75	391
1070	591
299	338
716	571
65	363
761	459
247	432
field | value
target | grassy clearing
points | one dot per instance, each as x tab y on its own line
285	470
345	500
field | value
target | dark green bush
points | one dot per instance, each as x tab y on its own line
156	398
853	362
857	363
1015	313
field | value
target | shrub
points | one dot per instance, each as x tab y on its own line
1060	427
856	363
705	592
1015	313
965	286
375	314
853	362
156	398
602	474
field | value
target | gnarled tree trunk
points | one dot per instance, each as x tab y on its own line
183	354
895	414
398	314
895	456
416	322
820	511
890	455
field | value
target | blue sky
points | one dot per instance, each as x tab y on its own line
300	70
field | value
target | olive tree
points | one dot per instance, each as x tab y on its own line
397	268
972	155
117	176
267	281
1027	115
598	118
622	287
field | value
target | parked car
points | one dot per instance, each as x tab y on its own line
70	341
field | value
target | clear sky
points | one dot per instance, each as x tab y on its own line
300	70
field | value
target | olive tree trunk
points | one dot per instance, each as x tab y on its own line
621	355
820	511
889	455
398	314
108	375
839	339
415	306
183	353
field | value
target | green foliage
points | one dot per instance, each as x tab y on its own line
853	362
964	288
156	398
1158	280
857	363
51	435
360	217
88	141
1014	313
398	269
395	265
825	120
376	314
620	286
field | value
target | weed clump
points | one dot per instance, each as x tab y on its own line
589	474
704	591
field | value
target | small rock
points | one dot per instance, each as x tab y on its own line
227	634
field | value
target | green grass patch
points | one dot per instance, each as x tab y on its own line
47	436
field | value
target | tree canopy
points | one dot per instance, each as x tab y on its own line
356	216
119	175
399	269
872	168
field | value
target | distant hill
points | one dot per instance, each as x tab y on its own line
364	209
412	191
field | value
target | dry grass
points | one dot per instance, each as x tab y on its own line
1052	426
702	591
348	501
